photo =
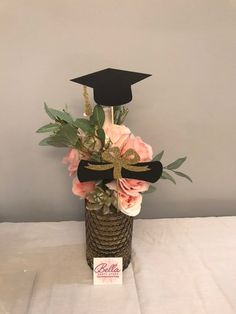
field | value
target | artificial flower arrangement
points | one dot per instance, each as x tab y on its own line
101	147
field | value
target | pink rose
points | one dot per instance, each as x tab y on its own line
72	159
129	198
129	186
129	205
81	189
118	134
133	186
144	150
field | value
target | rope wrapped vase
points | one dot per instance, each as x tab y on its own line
108	236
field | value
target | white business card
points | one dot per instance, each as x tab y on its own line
107	270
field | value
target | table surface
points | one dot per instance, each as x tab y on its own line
179	266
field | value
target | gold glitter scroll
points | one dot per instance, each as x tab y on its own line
117	162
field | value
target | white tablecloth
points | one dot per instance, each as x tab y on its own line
179	266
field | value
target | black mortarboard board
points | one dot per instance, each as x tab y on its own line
111	87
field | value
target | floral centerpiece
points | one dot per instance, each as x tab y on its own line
112	200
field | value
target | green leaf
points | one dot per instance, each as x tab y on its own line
98	116
158	156
48	111
151	189
167	176
123	115
62	115
101	135
117	112
176	164
65	137
54	141
78	144
56	114
181	174
85	125
44	142
120	113
48	128
69	133
59	141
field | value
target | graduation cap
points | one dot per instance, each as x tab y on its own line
111	87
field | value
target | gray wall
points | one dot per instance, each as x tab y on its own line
186	108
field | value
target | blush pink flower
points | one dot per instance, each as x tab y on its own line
133	186
135	142
81	189
129	198
129	205
129	186
118	134
72	159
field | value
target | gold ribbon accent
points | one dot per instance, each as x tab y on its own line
113	157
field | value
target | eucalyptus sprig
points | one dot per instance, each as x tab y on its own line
83	134
63	132
172	167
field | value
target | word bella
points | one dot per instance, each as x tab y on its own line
104	268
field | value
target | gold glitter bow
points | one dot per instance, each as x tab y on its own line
113	157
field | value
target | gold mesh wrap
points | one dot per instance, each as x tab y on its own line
108	236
